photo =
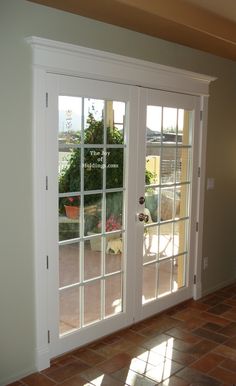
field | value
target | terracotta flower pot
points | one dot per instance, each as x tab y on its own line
72	212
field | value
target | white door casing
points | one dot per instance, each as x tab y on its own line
61	58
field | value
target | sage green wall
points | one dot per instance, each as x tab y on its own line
19	19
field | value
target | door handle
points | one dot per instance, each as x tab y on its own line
141	200
143	217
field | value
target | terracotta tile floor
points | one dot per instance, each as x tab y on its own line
192	344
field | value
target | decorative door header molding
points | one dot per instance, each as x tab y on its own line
69	59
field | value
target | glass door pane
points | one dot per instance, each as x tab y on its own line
91	186
167	200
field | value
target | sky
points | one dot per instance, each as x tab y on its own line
70	111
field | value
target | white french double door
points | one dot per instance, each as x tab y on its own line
121	205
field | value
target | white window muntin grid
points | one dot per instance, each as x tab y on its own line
103	234
161	145
157	264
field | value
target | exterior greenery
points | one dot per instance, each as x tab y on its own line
69	180
70	177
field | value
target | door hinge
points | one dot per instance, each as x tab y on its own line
46	183
47	262
195	279
49	338
46	99
196	226
201	115
198	171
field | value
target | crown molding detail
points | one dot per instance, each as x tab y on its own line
63	58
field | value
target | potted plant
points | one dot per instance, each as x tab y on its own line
112	224
71	205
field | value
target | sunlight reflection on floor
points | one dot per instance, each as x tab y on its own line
154	365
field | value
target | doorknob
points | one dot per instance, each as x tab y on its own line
141	200
143	217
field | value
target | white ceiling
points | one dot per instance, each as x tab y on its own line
223	8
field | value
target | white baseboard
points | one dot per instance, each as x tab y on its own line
17	376
42	361
197	291
219	286
42	358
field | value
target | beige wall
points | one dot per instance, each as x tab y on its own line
19	19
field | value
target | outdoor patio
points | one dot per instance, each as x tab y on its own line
161	277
